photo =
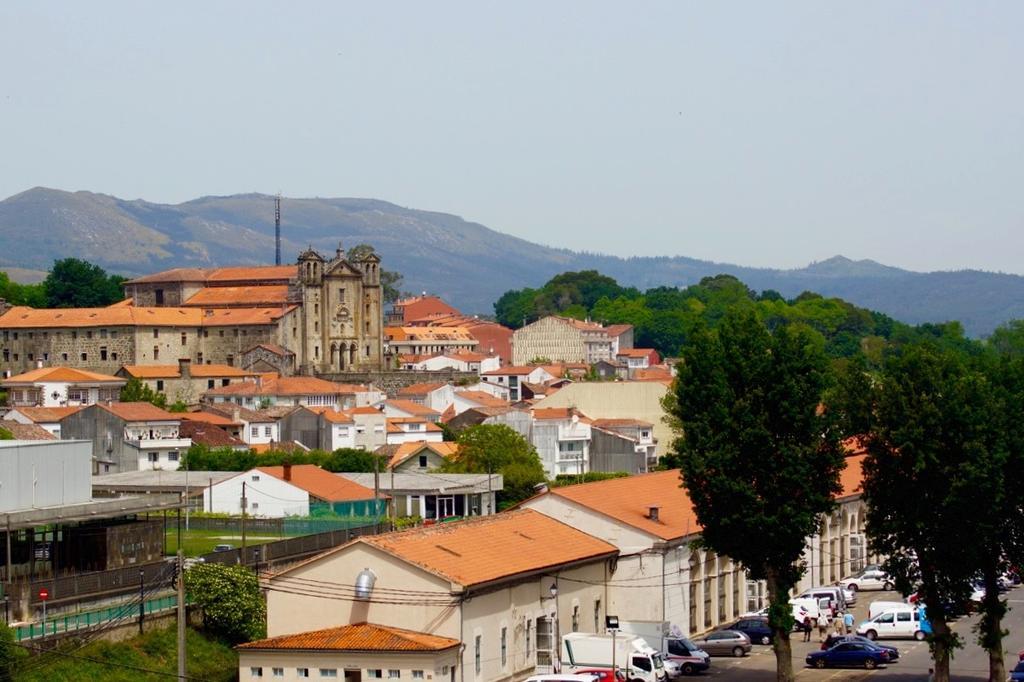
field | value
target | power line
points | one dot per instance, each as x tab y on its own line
100	661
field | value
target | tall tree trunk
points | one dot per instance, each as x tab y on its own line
941	637
780	621
990	627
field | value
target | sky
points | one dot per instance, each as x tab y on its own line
765	134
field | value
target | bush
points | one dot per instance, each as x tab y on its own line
230	599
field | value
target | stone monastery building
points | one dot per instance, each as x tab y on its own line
322	316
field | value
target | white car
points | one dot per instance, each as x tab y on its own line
872	579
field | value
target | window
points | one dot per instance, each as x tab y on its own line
199	358
255	478
7	355
576	618
231	361
328	672
159	384
158	295
31	356
504	647
210	383
113	333
903	616
220	333
172	456
255	505
642	662
63	356
184	338
254	431
103	333
375	674
302	672
113	356
225	382
278	672
103	353
156	333
154	457
88	334
255	671
316	325
394	674
529	638
266	431
597	615
74	335
85	357
156	352
423	461
206	333
417	674
316	351
476	653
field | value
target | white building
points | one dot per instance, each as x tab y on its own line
406	429
299	390
276	491
460	362
45	417
512	378
436	497
436	396
61	387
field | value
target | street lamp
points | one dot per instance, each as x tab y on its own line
557	643
611	623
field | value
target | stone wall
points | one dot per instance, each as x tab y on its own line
391	381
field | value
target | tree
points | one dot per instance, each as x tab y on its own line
498	449
934	453
760	462
230	599
390	280
1008	339
74	283
515	308
134	391
33	295
10	654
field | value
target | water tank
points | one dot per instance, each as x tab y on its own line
364	583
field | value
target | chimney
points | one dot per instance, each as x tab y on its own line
287	471
39	364
185	368
652	513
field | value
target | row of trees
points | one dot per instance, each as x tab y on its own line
761	461
71	283
665	318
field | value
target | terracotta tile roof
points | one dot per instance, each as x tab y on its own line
627	500
286	386
654	373
428	334
139	412
365	409
320	483
412	408
62	374
244	413
613	423
617	329
172	371
393	424
173	275
852	476
332	415
406	450
22	317
46	415
635	352
257	273
510	370
208	418
26	431
491	548
482	398
421	389
273	348
546	413
357	637
205	433
267	295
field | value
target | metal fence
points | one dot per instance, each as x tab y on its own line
289	549
93	583
99	618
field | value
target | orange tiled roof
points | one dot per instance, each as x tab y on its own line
173	275
490	548
287	386
617	329
23	317
197	370
26	431
428	334
612	423
412	408
208	418
627	500
205	433
267	295
556	413
655	373
635	352
510	370
482	398
365	409
852	476
62	374
321	484
357	637
332	415
44	415
406	450
393	422
421	389
139	412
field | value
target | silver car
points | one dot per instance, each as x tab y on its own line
724	643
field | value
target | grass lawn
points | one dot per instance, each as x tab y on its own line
197	542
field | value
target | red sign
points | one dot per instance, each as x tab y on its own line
44	593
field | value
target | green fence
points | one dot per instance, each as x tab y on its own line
71	622
329	516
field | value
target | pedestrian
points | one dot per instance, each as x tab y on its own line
837	622
822	625
848	622
807	627
931	674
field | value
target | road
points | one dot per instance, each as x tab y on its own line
969	664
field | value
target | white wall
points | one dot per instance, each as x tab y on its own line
342	436
168	451
44	474
261	436
266	495
410	436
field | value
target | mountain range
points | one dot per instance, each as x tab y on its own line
465	263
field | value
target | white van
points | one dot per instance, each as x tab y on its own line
901	622
832	593
880	606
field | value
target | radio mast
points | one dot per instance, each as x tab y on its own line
277	229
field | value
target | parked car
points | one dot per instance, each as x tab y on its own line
849	655
756	628
1017	674
869	580
832	640
562	677
684	656
603	674
724	643
223	548
898	622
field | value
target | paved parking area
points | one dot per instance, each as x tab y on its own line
969	663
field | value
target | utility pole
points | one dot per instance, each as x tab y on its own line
186	492
142	598
376	493
243	522
181	615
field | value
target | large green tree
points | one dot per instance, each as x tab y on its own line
390	280
22	294
759	460
75	283
230	599
498	449
934	485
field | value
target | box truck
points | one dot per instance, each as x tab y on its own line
639	660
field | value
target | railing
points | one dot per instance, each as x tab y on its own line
72	622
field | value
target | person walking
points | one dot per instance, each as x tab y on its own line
837	622
848	622
807	626
822	625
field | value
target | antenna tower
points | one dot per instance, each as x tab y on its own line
277	229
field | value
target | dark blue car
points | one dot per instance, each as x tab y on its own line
832	640
1018	673
849	655
754	627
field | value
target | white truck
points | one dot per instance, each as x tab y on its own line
627	652
680	655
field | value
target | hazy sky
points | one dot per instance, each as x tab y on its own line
760	133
